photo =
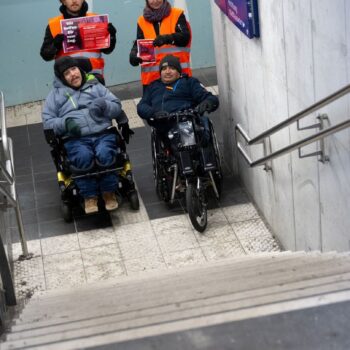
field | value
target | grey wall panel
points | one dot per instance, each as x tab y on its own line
302	56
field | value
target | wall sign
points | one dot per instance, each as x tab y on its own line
243	13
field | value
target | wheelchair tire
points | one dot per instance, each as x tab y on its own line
218	173
134	200
197	209
67	212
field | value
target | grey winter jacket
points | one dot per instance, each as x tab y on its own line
64	102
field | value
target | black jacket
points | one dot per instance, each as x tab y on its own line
48	51
186	92
181	37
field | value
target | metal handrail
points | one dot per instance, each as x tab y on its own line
310	139
324	102
9	175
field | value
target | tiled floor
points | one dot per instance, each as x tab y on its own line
125	242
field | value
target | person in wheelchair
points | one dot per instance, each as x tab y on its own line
79	109
174	92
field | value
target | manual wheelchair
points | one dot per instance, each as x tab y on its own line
66	174
183	167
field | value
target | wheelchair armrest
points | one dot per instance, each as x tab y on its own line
50	137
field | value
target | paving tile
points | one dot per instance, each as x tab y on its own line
142	248
31	232
95	238
60	244
49	213
29	267
96	221
184	258
104	272
240	212
63	262
226	250
101	255
66	279
145	264
125	215
255	236
34	247
134	232
130	109
218	229
175	233
55	228
26	285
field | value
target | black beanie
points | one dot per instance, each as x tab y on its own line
62	64
171	61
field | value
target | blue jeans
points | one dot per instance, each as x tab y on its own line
83	152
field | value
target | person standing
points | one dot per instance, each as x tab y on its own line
52	45
171	34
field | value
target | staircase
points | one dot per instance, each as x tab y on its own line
168	302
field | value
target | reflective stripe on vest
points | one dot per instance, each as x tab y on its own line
95	56
150	72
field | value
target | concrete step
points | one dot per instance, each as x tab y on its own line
177	292
137	320
284	291
132	307
131	283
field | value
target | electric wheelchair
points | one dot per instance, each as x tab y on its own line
66	174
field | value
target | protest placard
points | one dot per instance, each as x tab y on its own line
85	33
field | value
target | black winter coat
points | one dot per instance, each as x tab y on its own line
186	92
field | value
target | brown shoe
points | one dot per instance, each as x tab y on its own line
90	205
110	199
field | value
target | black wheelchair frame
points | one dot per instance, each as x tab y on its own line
66	174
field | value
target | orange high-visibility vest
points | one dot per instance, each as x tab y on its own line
95	56
150	71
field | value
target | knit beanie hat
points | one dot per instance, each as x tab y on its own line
62	64
171	61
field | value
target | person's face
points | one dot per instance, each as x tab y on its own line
73	6
73	77
155	4
169	74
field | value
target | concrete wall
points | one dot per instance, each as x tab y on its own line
302	56
25	77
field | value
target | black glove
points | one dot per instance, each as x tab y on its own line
160	115
111	29
161	40
206	106
58	41
126	131
72	127
135	61
97	108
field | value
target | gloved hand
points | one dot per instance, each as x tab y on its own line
111	29
58	41
206	106
160	115
126	131
161	40
97	108
135	61
72	127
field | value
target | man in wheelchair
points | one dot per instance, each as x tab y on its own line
80	110
176	92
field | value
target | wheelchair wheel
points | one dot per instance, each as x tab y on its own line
67	212
134	200
196	207
218	173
